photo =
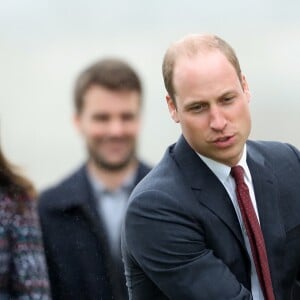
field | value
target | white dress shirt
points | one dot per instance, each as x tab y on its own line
223	174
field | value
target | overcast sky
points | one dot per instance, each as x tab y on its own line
44	44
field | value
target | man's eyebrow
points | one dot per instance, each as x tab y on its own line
194	103
227	93
100	114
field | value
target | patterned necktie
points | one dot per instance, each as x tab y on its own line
254	233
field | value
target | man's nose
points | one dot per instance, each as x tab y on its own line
116	128
218	120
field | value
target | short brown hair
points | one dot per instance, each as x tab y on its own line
191	45
111	73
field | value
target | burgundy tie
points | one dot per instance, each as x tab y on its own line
254	233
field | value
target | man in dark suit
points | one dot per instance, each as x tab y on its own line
81	216
194	229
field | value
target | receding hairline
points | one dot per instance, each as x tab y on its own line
193	44
190	46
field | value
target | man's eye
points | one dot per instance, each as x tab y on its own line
198	107
100	118
228	99
128	117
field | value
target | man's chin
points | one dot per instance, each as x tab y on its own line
112	165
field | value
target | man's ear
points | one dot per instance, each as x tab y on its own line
76	122
245	87
172	109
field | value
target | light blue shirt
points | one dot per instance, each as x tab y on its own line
223	173
111	207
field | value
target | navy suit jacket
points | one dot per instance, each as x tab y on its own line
76	245
181	237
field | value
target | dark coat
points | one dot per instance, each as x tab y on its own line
182	239
76	245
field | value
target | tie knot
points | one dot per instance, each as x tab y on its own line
237	173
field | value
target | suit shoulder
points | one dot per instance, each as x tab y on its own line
143	170
156	176
61	190
273	148
162	185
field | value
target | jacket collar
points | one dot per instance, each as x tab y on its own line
211	193
75	191
267	195
78	189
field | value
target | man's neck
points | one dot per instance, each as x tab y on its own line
112	179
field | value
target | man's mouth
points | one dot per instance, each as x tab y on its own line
224	141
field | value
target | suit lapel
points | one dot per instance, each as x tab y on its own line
84	200
209	191
267	199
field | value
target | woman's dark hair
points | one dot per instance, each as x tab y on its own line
12	183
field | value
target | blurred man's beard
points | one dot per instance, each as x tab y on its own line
101	163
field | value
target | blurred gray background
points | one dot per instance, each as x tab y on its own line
44	44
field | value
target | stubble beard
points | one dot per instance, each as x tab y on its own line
103	164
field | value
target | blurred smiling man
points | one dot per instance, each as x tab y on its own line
109	121
81	216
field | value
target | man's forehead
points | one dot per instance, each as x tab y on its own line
190	58
202	71
187	64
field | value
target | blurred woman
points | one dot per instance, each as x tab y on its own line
23	273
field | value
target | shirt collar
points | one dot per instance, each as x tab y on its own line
222	171
99	187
